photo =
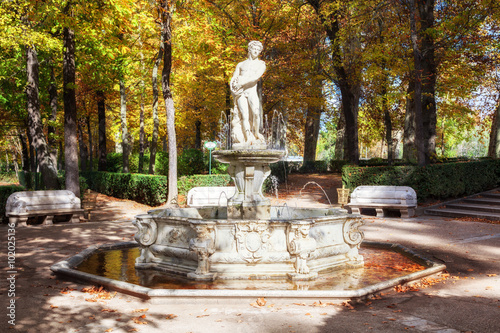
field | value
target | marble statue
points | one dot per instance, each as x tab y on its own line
247	111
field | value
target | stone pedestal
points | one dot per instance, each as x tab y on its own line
248	169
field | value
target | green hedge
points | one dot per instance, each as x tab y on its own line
314	167
5	192
148	189
185	183
438	181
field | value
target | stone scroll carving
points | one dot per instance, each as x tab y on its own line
353	237
147	232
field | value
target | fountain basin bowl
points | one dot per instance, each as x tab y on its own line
202	244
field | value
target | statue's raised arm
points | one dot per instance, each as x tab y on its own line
247	112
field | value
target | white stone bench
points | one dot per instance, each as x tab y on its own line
22	205
384	199
210	196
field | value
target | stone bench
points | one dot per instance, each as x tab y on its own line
47	204
384	199
210	196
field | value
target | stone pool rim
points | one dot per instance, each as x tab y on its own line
67	268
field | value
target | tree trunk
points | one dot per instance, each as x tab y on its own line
409	145
417	96
32	152
313	117
429	71
197	139
494	146
53	115
70	140
387	121
141	131
388	137
47	168
340	139
25	153
350	104
166	33
313	113
89	132
156	121
101	116
123	119
83	149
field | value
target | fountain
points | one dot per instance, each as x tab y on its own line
248	239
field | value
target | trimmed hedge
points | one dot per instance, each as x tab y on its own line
147	189
314	167
438	181
185	183
5	192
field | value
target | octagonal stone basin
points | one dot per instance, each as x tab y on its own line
113	266
199	253
203	244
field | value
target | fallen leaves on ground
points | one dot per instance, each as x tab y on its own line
260	302
427	282
66	290
476	219
138	320
98	293
348	305
140	310
170	316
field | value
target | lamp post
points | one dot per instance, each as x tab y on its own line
210	146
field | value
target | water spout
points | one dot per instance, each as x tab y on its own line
220	197
314	183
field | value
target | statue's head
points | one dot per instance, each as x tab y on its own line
255	44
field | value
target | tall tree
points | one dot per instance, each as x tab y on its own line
101	114
417	79
70	113
166	37
156	121
347	74
47	168
124	126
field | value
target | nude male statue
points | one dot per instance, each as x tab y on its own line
247	111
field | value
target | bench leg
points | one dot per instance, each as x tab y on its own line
410	212
355	210
48	220
380	212
19	221
75	218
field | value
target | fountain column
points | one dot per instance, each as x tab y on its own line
248	169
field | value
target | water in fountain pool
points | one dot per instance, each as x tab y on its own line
380	265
